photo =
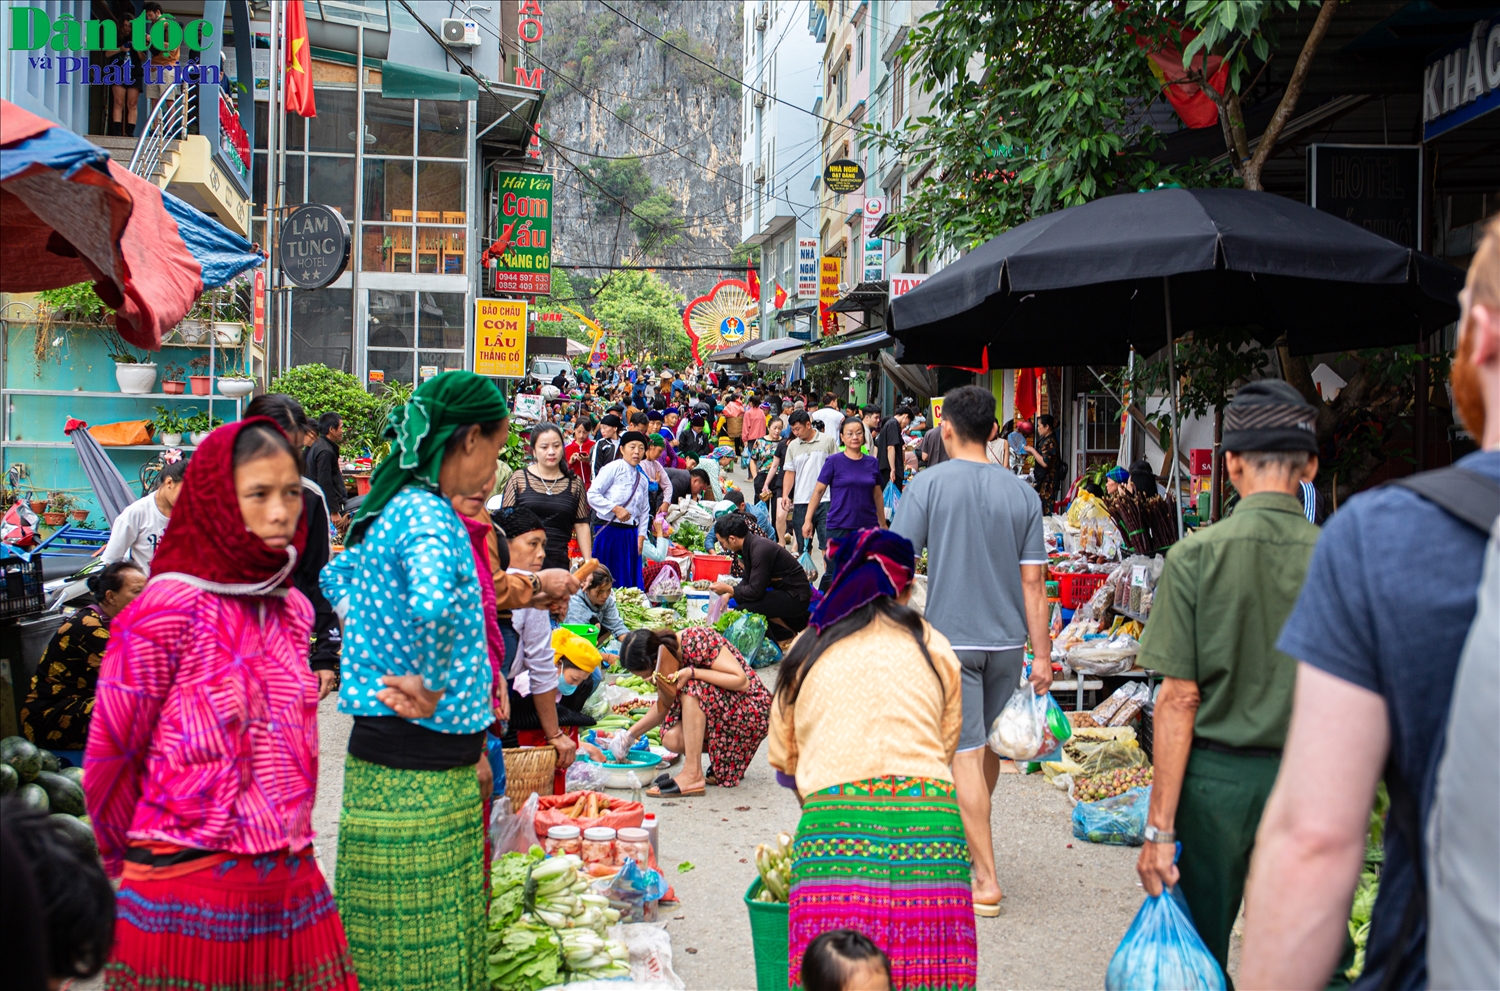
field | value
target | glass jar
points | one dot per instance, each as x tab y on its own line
634	843
598	845
562	840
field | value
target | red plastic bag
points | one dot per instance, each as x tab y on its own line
550	809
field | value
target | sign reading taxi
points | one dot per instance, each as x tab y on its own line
500	337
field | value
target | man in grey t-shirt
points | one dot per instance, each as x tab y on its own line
986	592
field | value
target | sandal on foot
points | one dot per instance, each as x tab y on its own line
672	790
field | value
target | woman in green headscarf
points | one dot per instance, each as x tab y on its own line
416	677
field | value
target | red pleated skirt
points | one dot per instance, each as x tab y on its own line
265	922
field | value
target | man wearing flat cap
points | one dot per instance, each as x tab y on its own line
1221	716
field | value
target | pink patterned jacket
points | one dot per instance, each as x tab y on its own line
205	727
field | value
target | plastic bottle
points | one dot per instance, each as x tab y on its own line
649	825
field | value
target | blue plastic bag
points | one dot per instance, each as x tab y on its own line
892	497
1161	949
767	655
1119	821
747	632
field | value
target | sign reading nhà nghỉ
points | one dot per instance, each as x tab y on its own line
807	267
500	337
843	176
525	221
314	247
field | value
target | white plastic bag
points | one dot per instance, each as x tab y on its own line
512	832
1020	731
587	776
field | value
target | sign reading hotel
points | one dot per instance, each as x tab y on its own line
526	230
500	337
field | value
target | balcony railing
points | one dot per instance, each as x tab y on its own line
172	118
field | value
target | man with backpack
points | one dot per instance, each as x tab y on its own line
1379	629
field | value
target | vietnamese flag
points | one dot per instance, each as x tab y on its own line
779	299
753	281
298	77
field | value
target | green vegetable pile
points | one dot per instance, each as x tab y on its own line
1369	881
526	956
774	862
635	682
561	935
727	620
637	612
39	781
690	535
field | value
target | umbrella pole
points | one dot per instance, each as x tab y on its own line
1166	289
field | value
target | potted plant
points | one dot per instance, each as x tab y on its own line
170	425
59	505
136	377
173	383
200	426
38	506
80	515
200	380
236	384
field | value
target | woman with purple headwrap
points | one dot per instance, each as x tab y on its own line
864	723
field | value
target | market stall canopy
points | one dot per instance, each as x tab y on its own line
577	349
784	359
863	344
731	355
69	214
863	298
1085	284
761	350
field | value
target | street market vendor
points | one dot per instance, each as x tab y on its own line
774	585
595	605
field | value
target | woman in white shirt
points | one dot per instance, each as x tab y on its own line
621	495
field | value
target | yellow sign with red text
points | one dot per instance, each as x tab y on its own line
500	337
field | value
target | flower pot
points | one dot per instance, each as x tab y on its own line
174	388
172	440
135	379
200	384
80	514
235	388
227	333
197	437
192	331
54	519
39	506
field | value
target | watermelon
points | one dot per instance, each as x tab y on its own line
50	761
21	754
77	831
73	774
9	779
62	794
32	797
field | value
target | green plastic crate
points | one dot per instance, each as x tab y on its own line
768	934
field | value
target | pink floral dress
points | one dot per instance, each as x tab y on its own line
736	721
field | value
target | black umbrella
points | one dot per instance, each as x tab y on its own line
1084	285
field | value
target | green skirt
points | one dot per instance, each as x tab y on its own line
410	878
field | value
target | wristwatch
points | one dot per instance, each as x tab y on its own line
1154	835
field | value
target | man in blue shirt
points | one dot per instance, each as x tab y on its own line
1378	629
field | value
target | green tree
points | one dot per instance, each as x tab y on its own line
641	313
657	222
321	389
623	184
1035	107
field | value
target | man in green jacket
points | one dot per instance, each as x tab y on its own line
1221	715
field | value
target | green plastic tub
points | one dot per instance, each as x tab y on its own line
588	631
768	934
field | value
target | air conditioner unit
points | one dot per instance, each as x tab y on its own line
458	31
760	98
760	173
761	20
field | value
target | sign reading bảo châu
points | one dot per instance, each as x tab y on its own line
500	337
525	221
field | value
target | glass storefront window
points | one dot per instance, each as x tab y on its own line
386	248
335	127
331	181
441	321
323	328
388	189
440	189
440	250
396	366
392	320
293	193
390	123
432	363
442	129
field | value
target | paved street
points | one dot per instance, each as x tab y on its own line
1066	902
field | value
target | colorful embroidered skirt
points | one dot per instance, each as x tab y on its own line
410	878
264	922
887	857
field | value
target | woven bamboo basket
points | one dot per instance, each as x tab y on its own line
527	770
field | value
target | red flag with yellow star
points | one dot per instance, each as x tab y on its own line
299	81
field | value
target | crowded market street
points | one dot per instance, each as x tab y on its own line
802	495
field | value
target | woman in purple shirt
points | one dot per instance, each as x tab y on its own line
854	482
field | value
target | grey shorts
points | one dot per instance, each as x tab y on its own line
989	676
